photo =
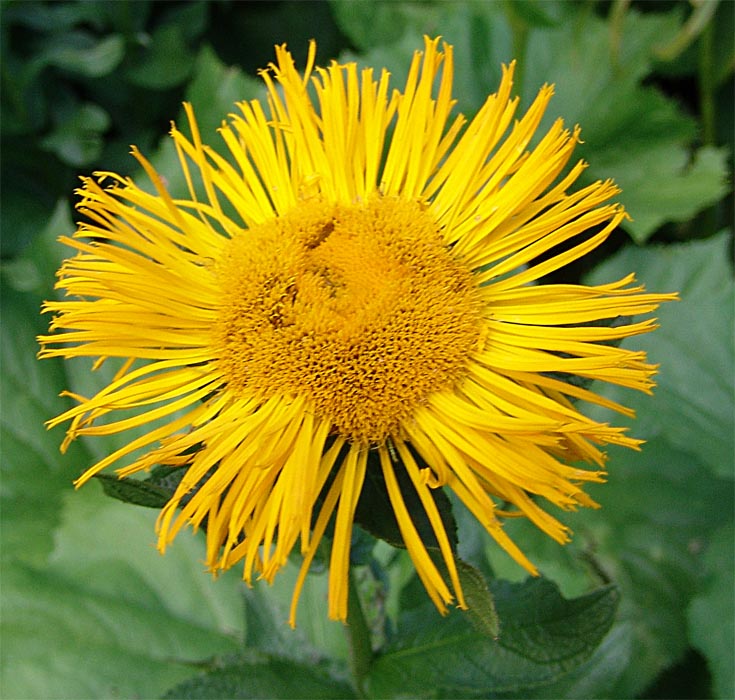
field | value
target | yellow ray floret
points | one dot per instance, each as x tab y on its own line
352	284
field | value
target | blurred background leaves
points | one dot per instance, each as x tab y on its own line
91	610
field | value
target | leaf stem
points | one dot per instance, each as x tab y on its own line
358	636
519	32
706	84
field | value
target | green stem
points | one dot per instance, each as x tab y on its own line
616	22
707	106
704	11
706	84
358	636
519	32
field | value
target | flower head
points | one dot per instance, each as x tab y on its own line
332	289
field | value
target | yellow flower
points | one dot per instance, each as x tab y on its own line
333	288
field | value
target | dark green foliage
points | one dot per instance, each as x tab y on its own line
375	512
135	491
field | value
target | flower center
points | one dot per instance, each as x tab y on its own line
361	309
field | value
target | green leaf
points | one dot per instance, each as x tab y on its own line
33	476
264	628
378	23
661	506
481	610
90	609
595	677
213	91
659	515
664	183
167	61
480	602
66	640
712	612
98	532
478	31
33	479
192	18
35	270
78	52
135	491
78	139
117	618
215	88
375	513
57	17
631	133
533	13
694	402
27	204
542	637
167	478
315	635
262	677
154	491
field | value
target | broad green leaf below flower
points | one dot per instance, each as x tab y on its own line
542	636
